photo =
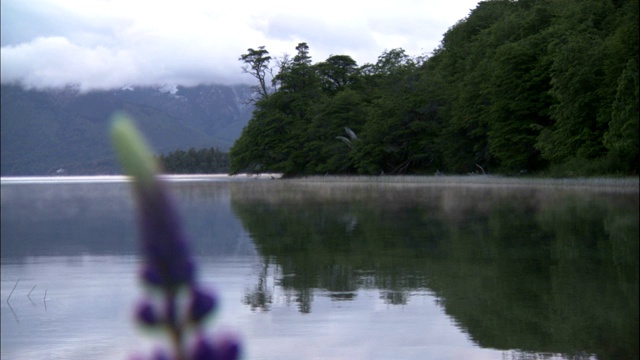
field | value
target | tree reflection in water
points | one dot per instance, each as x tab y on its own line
537	269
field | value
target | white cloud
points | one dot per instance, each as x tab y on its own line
111	43
55	62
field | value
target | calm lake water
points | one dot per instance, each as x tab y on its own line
437	268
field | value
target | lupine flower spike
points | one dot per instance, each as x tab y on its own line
175	302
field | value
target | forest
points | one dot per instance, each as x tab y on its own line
202	161
530	86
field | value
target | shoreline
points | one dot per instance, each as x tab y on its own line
624	184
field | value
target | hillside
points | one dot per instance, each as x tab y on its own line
518	87
45	131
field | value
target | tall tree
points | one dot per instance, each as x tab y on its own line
337	72
622	136
578	55
296	75
257	65
519	86
392	136
332	134
464	63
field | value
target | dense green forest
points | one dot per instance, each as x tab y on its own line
536	86
203	161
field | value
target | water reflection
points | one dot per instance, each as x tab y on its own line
540	270
343	271
70	218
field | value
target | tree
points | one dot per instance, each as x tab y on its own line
394	137
581	89
622	136
337	72
337	117
257	65
259	147
203	161
517	85
296	75
463	66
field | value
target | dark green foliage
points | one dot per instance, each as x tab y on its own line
622	136
257	65
334	133
396	136
588	57
203	161
337	72
517	86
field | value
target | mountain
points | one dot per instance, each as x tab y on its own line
63	131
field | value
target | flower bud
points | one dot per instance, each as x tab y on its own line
201	305
203	350
222	348
228	347
151	276
146	314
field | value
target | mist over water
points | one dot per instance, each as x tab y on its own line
341	269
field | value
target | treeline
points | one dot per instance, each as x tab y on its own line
531	85
192	161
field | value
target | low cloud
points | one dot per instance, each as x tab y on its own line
101	45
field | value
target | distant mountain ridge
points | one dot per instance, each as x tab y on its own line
65	132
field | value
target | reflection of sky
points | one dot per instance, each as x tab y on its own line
90	298
86	315
363	329
97	217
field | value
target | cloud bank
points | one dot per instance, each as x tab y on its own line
103	44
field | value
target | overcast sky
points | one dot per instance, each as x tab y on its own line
100	44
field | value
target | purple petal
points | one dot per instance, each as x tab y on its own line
201	305
161	354
146	314
203	350
163	242
225	347
151	276
228	347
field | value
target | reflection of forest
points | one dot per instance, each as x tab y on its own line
536	270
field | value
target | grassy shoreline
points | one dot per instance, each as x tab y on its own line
626	184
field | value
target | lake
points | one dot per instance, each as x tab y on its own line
335	268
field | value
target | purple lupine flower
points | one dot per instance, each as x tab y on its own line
163	242
221	348
168	265
202	304
147	314
227	346
203	349
161	354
